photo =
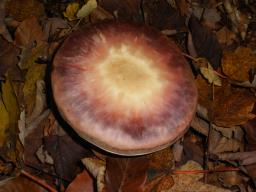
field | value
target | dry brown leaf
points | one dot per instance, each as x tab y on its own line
35	73
225	36
165	183
224	144
100	14
161	15
66	153
245	158
126	174
20	184
161	160
238	19
205	42
228	106
82	183
31	39
237	64
183	7
9	59
55	30
205	93
11	105
232	107
3	29
24	9
124	10
40	102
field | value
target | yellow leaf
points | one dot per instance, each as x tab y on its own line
71	10
35	72
11	105
210	75
87	9
4	123
10	102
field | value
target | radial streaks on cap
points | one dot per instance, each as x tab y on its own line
127	91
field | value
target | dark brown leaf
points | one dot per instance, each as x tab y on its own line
124	10
21	10
9	60
205	42
161	15
126	174
232	106
66	154
20	184
250	133
82	183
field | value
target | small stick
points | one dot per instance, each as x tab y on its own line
38	181
224	169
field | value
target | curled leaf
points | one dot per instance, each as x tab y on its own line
87	9
71	11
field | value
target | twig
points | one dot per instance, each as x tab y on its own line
223	169
38	181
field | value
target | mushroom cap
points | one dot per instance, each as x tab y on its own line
124	87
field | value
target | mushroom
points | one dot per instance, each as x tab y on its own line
124	87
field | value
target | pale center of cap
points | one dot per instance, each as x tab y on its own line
129	76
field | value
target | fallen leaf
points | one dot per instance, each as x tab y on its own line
162	16
35	73
4	125
239	20
82	183
40	102
165	183
3	28
99	14
205	95
21	10
226	106
225	36
232	106
250	145
44	156
126	174
12	107
71	11
66	153
129	10
193	149
220	144
205	42
9	60
245	158
29	32
31	39
210	74
161	160
237	64
55	30
20	184
86	9
97	168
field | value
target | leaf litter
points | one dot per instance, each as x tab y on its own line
219	39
